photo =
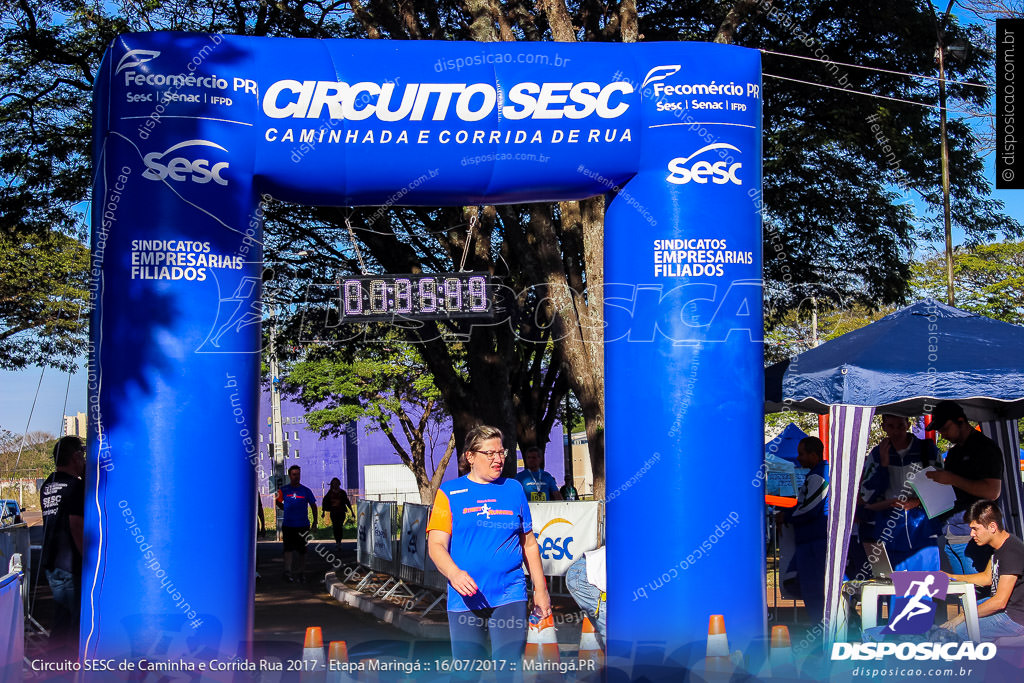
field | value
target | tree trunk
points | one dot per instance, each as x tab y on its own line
736	16
427	494
591	390
577	316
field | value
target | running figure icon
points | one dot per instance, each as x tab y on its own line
915	607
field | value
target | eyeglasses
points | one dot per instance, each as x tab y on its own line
493	454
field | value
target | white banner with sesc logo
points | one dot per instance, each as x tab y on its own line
565	530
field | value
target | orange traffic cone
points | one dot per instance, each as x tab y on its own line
780	657
541	649
590	649
716	659
368	673
313	655
337	654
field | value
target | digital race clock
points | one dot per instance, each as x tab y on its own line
434	296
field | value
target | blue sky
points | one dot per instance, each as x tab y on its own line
20	390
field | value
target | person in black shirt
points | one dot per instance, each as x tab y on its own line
1003	613
974	468
568	491
62	499
337	503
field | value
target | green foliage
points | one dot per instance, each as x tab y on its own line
43	300
382	382
792	333
987	279
35	461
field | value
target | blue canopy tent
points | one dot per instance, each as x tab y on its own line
784	445
904	364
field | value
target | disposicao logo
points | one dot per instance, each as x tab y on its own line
915	607
947	652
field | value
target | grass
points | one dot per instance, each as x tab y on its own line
323	532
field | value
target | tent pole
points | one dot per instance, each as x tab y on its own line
823	431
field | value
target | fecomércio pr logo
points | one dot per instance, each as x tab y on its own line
134	58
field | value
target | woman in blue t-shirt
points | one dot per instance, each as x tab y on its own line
479	534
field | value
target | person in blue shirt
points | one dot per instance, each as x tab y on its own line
294	498
479	535
810	526
891	511
538	484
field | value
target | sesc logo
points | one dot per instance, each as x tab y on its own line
181	169
557	546
720	172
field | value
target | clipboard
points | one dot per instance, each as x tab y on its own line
935	498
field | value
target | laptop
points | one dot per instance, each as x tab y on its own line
881	567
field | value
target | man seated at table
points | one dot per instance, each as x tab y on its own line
1003	613
891	512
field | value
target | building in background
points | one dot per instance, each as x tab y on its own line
363	457
583	473
74	425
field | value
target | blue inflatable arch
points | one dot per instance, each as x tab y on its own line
191	130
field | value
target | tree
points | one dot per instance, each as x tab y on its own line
43	300
988	279
795	333
386	384
843	172
28	457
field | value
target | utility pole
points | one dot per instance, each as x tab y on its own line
940	51
814	321
277	478
280	446
567	447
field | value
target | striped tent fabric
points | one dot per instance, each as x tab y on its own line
848	440
1011	496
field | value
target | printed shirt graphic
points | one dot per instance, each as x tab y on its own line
295	499
538	485
484	521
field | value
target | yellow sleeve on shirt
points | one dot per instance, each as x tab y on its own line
441	515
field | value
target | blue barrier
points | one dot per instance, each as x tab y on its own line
12	626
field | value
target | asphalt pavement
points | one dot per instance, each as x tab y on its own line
283	611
